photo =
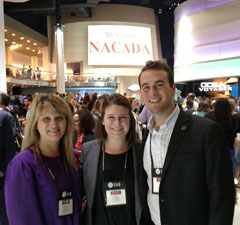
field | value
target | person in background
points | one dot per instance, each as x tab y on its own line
111	167
23	72
202	109
94	98
189	107
70	99
42	185
17	101
84	124
29	72
134	105
38	72
86	99
7	152
145	115
186	160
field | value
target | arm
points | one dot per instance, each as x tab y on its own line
219	177
237	153
22	200
7	140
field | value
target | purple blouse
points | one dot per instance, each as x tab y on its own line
31	194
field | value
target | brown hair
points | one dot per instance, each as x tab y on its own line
157	65
87	123
117	99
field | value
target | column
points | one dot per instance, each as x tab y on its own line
34	62
8	56
3	79
59	59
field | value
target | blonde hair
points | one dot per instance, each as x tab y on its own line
70	97
31	134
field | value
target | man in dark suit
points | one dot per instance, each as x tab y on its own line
186	160
7	151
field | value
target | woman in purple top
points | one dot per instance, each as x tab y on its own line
42	183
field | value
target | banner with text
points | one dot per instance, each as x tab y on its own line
119	45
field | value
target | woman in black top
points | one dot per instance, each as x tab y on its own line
112	169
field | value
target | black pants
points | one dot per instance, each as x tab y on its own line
3	213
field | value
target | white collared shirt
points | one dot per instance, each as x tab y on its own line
159	146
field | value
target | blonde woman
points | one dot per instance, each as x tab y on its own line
70	99
42	183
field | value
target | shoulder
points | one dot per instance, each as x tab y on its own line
4	115
194	119
92	144
21	166
23	159
90	149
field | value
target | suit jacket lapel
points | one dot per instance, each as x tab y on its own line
94	155
181	127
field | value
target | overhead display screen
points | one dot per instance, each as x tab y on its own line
119	45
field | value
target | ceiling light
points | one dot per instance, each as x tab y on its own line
28	41
34	43
27	48
33	50
6	39
133	87
232	80
5	30
22	38
20	45
14	42
13	34
39	52
160	11
12	47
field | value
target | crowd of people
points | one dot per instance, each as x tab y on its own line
104	160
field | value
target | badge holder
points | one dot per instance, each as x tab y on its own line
156	179
65	203
115	193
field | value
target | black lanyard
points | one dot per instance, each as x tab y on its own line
152	163
52	175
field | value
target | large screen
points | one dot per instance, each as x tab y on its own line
119	45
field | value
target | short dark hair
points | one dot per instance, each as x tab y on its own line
157	65
4	99
87	122
117	99
190	103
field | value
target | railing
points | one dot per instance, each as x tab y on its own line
20	73
70	79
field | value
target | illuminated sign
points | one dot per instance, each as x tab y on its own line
214	86
119	45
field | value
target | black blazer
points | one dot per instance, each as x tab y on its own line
90	157
197	185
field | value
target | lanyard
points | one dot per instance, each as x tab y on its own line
125	164
52	175
152	163
151	156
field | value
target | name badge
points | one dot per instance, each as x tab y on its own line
115	193
65	203
156	179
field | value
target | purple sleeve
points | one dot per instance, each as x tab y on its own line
22	200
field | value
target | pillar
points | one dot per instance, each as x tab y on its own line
3	79
9	59
59	59
34	62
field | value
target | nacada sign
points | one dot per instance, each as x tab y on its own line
119	45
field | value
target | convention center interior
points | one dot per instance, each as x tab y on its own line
137	75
